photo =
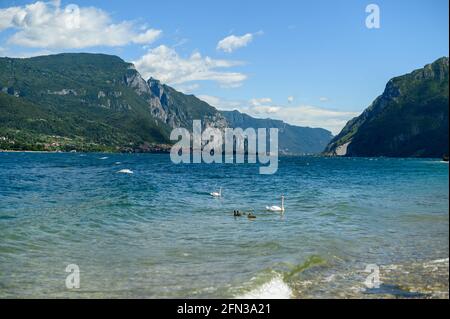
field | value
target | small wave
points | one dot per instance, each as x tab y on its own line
439	261
435	162
276	285
104	157
7	217
274	289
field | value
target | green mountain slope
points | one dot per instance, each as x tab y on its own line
85	101
410	118
97	102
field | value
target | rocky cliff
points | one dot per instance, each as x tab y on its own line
97	102
410	118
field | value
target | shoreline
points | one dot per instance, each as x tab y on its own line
15	151
80	152
168	152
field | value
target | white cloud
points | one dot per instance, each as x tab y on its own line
312	116
260	101
147	37
233	42
220	103
290	99
7	17
211	100
323	99
189	88
47	25
165	64
265	109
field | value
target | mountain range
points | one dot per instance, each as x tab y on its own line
291	138
97	102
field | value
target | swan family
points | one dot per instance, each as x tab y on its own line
274	208
237	213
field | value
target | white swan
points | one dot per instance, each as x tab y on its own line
217	194
125	171
277	208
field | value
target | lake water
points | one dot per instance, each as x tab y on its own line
158	232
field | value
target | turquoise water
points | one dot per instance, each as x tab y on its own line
158	232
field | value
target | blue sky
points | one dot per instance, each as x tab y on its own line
311	63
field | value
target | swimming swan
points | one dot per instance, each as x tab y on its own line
217	194
277	208
125	171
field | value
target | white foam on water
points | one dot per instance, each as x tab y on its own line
390	267
439	261
435	162
329	278
274	289
125	171
103	158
